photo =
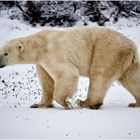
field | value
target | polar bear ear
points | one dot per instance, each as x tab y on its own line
20	47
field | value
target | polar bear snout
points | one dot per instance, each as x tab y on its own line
2	64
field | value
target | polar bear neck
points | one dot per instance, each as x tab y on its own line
34	45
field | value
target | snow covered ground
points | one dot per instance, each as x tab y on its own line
19	88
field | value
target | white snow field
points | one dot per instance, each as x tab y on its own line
19	88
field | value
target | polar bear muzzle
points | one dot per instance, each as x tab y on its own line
2	64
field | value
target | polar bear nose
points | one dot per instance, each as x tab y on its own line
1	66
1	62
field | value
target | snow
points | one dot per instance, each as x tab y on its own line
78	123
19	88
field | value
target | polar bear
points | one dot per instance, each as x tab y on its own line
62	55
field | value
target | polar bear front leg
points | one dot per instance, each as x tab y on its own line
66	86
47	88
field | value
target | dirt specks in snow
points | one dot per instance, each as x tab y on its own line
20	86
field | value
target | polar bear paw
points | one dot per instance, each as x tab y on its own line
86	104
133	105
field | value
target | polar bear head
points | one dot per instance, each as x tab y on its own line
18	51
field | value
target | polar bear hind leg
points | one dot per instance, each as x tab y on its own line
107	67
131	81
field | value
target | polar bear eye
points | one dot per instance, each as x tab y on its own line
19	46
5	54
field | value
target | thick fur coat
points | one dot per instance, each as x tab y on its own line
62	55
